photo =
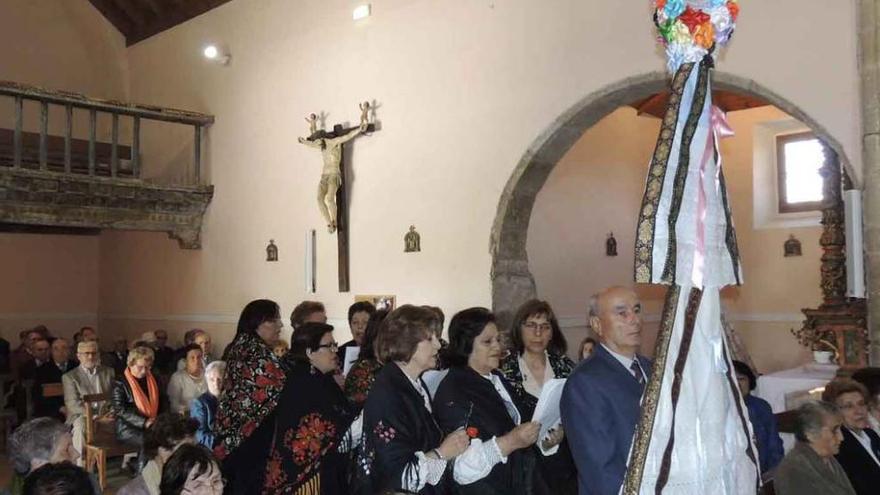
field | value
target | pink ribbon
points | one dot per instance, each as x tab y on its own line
720	129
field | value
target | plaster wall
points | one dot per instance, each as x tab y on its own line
463	88
597	188
68	45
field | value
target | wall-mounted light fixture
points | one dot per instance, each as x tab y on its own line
215	53
361	12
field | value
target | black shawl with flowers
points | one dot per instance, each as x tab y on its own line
561	365
312	420
254	380
396	426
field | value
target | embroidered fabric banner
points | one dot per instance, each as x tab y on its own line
694	436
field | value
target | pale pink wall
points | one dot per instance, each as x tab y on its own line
66	45
597	188
50	280
464	89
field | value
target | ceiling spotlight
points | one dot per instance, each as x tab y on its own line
215	54
361	12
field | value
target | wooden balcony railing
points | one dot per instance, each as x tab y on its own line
65	181
21	149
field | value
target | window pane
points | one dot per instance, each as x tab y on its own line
803	160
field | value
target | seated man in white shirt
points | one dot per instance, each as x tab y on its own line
188	383
90	377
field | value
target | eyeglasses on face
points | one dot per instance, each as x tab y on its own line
333	346
532	326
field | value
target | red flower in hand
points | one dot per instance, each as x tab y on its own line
472	432
693	18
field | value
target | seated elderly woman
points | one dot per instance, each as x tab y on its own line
404	449
870	378
167	434
474	397
204	408
810	467
767	438
192	469
860	450
136	401
188	383
35	443
312	410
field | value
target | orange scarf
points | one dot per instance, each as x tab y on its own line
148	406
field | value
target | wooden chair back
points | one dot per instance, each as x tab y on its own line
100	438
785	421
92	405
53	390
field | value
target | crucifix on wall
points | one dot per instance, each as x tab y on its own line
331	188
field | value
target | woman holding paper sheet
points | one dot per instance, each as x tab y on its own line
537	356
475	397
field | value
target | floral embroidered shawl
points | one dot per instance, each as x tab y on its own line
254	380
561	365
313	418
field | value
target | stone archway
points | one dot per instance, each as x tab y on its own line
512	282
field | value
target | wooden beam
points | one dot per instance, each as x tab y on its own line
656	105
21	228
131	11
116	17
155	7
183	11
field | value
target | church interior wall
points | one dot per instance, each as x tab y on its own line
596	188
463	89
53	279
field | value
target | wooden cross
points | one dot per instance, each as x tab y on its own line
342	208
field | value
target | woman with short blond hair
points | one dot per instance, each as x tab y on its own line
136	399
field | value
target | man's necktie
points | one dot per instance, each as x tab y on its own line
637	369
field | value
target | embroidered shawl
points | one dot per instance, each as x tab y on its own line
254	380
313	416
526	402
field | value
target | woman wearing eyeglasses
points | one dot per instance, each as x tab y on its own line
313	420
537	356
255	377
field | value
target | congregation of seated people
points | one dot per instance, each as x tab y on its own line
277	416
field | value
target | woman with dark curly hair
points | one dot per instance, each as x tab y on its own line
254	380
537	356
312	429
167	434
473	396
191	470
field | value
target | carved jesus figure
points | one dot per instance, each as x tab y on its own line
331	177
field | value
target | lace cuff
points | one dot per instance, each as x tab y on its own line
425	470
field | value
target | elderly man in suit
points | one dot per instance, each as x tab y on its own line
601	401
90	377
50	372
